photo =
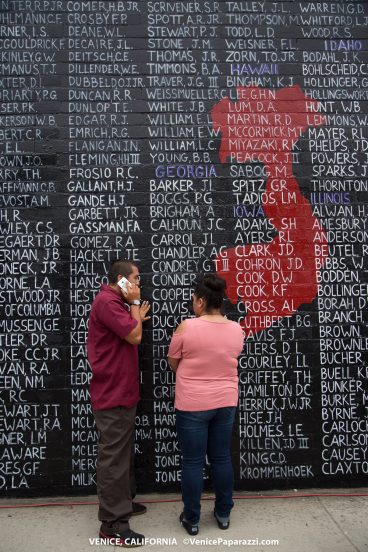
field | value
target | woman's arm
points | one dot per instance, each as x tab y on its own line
173	363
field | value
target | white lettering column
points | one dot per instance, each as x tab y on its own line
104	159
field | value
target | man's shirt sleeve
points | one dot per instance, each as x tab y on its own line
117	319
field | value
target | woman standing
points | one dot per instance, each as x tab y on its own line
203	353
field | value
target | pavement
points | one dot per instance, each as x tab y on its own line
283	521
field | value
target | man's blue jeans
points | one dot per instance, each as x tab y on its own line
200	433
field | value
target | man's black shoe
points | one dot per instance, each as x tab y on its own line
126	539
138	509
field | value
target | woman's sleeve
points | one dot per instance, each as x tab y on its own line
240	340
176	346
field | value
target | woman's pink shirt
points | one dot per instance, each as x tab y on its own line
207	375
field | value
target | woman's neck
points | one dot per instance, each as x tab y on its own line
212	313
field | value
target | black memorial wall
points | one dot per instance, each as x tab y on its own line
188	137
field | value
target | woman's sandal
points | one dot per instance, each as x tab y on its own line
190	529
222	524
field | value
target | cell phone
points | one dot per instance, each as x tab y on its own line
124	284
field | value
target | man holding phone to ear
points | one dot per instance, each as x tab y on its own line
114	333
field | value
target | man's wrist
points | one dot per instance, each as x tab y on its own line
135	303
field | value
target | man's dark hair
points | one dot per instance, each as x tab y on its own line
211	288
120	266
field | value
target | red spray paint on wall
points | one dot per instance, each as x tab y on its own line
272	279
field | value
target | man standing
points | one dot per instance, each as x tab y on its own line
114	333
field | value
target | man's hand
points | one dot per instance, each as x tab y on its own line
143	309
133	294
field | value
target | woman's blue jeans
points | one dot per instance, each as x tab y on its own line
200	433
